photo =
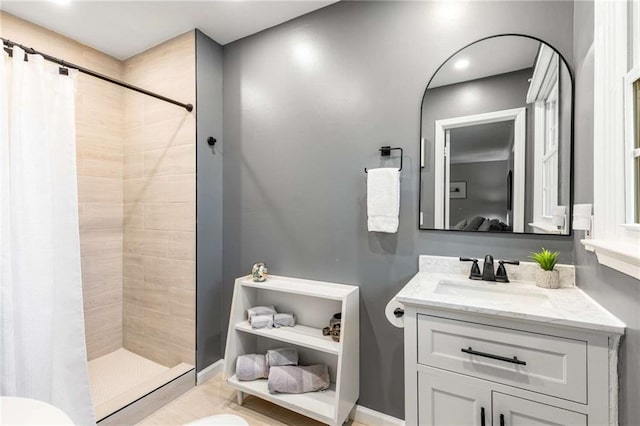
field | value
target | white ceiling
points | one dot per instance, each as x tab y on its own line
489	57
482	142
125	28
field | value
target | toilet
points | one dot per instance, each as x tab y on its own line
220	420
25	411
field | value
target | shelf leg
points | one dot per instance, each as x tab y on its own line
240	396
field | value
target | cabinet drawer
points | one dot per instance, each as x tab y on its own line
547	364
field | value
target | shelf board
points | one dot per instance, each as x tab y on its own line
300	335
317	405
319	289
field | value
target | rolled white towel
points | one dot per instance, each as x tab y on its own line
251	367
261	321
286	320
261	310
298	379
282	356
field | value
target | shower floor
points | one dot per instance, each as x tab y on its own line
121	377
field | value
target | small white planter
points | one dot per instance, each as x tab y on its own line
547	279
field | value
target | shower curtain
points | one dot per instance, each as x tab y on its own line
42	343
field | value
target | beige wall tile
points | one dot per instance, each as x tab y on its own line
133	267
93	189
146	295
101	266
101	242
182	245
170	216
146	190
101	216
103	319
174	160
182	302
181	188
134	216
170	272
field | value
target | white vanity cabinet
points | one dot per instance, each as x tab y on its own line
464	368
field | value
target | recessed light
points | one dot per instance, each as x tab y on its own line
61	2
461	64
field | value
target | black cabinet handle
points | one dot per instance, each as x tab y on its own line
482	416
501	419
513	360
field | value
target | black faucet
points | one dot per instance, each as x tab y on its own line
487	269
488	273
501	274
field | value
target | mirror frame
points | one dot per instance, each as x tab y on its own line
571	144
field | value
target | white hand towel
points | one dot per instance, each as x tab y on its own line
383	199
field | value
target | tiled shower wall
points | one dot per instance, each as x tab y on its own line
99	130
159	205
136	190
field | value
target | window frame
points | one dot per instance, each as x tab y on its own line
614	241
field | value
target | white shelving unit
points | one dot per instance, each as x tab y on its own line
313	303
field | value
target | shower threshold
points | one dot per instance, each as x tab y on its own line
122	377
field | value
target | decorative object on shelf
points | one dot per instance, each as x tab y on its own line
334	327
547	276
259	272
298	379
251	367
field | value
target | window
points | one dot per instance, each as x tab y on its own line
632	151
616	228
550	155
543	94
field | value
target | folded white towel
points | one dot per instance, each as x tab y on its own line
383	199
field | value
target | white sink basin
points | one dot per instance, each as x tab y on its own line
490	292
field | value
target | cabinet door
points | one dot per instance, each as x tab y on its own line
452	400
511	411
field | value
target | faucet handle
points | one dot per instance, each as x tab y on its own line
475	269
501	273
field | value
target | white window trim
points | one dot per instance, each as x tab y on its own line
615	245
544	79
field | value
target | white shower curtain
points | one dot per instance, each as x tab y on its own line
42	343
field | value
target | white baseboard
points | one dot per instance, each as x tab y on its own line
370	417
210	372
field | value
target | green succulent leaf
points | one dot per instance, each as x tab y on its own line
546	259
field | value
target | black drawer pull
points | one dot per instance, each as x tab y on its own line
482	422
513	360
501	419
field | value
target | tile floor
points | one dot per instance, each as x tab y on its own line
215	397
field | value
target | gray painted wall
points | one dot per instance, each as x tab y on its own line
209	323
486	191
307	104
618	293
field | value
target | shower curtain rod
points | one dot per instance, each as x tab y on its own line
10	44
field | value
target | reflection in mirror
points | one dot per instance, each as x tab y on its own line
496	140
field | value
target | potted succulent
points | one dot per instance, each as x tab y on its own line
547	276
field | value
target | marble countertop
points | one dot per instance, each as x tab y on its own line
566	306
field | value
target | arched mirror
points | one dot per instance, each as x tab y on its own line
496	140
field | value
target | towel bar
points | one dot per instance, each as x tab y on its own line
385	151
